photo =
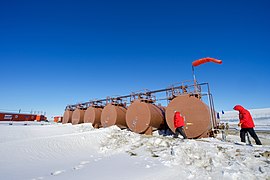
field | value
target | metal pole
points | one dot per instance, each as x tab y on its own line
194	78
214	111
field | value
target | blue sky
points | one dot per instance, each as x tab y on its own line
55	53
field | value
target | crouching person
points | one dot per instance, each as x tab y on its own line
179	124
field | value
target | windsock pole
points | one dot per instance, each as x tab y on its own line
199	62
194	79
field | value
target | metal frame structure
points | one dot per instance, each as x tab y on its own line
170	93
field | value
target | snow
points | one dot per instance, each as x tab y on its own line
54	151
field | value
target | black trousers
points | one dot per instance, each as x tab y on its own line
252	133
180	130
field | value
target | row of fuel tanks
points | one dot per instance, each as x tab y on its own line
143	116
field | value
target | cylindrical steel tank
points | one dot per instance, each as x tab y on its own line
77	116
142	115
113	115
195	112
93	115
67	118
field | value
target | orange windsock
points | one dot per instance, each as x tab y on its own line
205	60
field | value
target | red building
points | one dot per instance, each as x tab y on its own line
21	117
58	119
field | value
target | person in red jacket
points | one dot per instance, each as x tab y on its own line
179	124
247	124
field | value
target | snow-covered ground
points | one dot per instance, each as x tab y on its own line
56	151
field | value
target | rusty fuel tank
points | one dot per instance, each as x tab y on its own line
113	115
195	112
67	118
93	115
142	115
77	116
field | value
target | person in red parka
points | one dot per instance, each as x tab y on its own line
179	124
247	124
